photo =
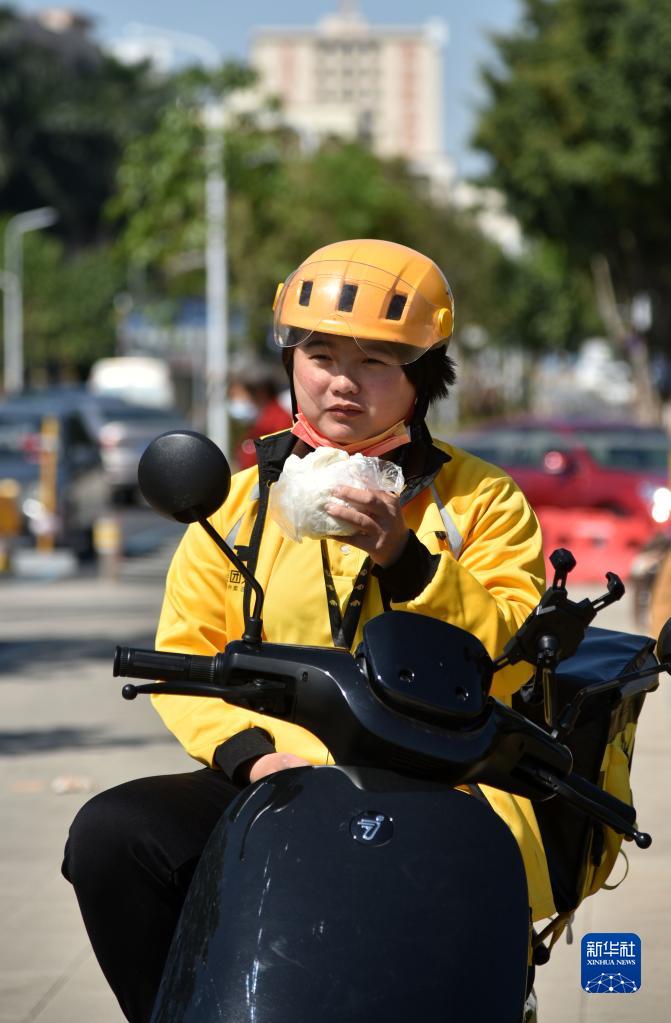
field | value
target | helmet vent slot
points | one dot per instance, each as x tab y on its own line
306	292
396	307
347	296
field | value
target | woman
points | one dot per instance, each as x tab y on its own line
253	402
363	327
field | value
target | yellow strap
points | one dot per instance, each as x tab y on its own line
556	928
612	887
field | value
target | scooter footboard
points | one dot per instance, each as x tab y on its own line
319	899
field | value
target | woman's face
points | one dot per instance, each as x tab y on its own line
347	394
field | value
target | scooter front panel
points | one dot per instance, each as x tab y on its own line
318	899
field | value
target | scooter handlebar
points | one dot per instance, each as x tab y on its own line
265	675
130	662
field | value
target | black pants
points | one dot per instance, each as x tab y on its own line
130	856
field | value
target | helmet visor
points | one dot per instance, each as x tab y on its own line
380	312
393	352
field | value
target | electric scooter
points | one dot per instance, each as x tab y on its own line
376	889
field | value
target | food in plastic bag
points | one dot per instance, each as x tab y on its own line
298	499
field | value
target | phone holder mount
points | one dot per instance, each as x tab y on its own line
554	630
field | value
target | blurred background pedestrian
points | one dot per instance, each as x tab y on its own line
256	408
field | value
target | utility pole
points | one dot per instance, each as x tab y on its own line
216	257
217	285
9	285
31	220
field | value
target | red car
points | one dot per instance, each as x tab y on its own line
599	488
619	467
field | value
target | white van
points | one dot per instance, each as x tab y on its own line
138	379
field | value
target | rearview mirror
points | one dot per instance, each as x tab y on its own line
184	476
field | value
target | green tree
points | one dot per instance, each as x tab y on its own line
159	200
578	127
66	112
545	302
69	310
283	203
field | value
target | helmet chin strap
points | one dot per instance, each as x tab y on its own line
292	392
418	417
288	362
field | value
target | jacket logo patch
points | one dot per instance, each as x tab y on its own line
235	578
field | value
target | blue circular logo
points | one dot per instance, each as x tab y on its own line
372	828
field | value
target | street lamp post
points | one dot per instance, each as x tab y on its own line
9	285
216	259
217	285
31	220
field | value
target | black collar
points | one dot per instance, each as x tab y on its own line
272	452
420	457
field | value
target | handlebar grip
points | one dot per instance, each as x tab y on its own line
129	662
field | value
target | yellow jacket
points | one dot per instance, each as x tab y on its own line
490	575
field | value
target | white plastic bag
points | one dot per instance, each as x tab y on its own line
298	499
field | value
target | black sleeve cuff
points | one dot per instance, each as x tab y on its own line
410	574
236	751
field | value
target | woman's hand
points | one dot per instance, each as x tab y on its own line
381	529
271	762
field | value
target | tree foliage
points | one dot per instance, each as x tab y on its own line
283	203
159	200
69	307
578	127
66	112
123	155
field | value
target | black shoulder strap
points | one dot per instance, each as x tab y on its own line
272	452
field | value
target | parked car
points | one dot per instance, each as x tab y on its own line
121	429
140	379
618	467
124	430
81	489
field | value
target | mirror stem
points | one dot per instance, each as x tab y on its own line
253	624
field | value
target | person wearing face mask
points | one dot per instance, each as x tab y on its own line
253	404
363	328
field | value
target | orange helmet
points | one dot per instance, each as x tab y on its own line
371	291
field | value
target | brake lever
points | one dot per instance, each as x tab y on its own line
261	695
230	694
598	805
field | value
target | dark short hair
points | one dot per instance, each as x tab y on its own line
431	375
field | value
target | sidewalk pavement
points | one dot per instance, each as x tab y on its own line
66	733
